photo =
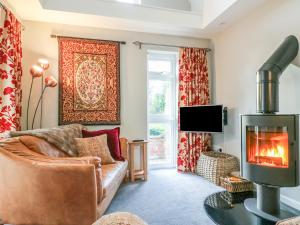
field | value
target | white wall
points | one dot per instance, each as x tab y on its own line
213	8
37	43
239	52
196	5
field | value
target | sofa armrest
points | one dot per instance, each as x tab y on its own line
124	148
34	192
92	160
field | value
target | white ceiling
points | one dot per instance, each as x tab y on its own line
153	17
186	5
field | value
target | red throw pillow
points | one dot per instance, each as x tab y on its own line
113	140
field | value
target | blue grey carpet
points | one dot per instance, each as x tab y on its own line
167	198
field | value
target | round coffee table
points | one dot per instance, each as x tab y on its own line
120	218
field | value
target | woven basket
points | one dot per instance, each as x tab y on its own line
235	185
213	165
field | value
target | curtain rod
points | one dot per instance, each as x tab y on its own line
139	43
56	36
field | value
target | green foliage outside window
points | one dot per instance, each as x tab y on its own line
158	104
157	130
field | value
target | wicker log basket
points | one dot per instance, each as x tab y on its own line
236	184
213	165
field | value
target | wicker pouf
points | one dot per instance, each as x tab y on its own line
213	165
291	221
120	218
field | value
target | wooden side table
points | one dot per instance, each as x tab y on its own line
143	172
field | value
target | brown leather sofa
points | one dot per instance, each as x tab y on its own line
41	185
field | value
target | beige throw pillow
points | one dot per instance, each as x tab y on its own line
95	146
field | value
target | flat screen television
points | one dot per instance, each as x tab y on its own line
204	118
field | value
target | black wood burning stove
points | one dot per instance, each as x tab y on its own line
270	142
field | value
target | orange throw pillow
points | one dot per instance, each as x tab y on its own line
95	146
113	140
41	146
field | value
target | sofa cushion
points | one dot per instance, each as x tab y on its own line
41	146
12	144
113	140
111	176
95	146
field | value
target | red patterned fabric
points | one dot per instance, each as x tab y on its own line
89	74
113	140
10	72
193	90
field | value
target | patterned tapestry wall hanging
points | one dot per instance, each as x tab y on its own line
89	81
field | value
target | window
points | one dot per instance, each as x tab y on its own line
159	66
162	108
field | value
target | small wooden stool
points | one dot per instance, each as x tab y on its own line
143	172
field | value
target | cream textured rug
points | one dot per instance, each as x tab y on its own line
291	221
120	218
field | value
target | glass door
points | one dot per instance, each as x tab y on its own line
162	108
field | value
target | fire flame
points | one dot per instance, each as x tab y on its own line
274	152
268	148
277	151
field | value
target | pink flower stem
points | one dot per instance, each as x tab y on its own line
37	106
28	102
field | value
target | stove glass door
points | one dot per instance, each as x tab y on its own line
267	146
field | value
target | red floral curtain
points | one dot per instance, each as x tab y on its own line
193	90
10	72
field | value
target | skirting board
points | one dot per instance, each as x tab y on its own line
290	202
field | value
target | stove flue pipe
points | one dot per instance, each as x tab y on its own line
267	77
